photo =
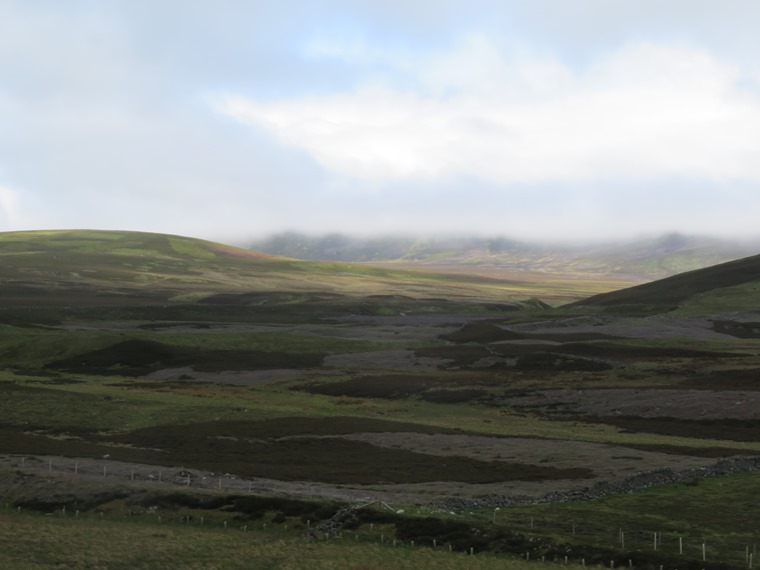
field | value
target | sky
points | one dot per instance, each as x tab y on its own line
553	120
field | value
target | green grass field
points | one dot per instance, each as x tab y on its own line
31	542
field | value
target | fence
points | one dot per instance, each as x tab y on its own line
623	541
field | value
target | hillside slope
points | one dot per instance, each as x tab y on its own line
114	266
732	286
92	267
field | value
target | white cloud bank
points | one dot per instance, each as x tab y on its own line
9	214
646	111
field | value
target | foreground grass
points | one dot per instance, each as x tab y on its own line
30	542
717	512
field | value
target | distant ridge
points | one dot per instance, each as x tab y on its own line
636	260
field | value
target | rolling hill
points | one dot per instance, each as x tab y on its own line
727	287
94	267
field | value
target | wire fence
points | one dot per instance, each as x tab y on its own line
739	552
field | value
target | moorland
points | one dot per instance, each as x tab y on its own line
342	415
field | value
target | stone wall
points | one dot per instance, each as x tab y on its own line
602	489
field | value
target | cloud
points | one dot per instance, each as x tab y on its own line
98	133
646	110
9	210
228	119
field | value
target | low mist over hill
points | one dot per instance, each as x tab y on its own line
645	259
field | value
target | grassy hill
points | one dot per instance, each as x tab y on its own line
114	266
727	287
88	267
